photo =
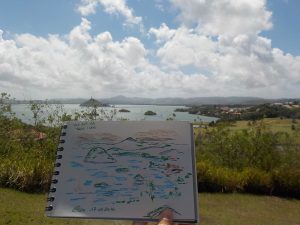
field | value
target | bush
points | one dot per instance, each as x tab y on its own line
257	181
30	173
255	148
217	179
26	162
255	161
286	182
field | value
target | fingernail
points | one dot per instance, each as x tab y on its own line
167	214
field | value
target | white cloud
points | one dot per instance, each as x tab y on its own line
87	7
221	39
163	33
118	7
184	47
251	62
240	64
226	59
230	17
79	36
80	65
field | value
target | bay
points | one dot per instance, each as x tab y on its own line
136	113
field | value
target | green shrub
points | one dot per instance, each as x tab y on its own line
26	163
217	179
255	148
257	181
254	160
28	172
286	182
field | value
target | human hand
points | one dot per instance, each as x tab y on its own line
165	218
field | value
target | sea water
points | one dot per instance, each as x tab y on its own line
136	113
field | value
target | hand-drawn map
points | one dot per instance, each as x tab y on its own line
126	170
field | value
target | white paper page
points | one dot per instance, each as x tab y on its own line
126	170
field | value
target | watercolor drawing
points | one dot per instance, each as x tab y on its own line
126	170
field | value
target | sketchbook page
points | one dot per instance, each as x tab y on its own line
126	170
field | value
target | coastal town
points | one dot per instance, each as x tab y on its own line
289	109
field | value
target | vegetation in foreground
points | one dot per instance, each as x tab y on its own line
251	159
234	209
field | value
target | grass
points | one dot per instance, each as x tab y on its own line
19	208
237	209
230	209
274	124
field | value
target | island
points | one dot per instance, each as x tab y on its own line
93	103
150	113
124	110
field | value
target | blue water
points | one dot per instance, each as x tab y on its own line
136	112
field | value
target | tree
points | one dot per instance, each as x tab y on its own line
38	110
5	105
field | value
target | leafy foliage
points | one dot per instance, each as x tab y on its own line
254	160
28	151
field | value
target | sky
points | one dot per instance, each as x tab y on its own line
149	48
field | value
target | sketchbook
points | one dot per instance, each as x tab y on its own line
127	170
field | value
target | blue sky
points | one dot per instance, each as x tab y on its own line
286	28
245	48
60	16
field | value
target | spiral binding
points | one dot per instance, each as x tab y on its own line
49	208
53	189
50	199
56	172
54	181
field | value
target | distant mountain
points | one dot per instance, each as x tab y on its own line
129	100
185	101
52	101
123	100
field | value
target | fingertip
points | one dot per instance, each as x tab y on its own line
167	214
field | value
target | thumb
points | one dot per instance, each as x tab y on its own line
166	217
